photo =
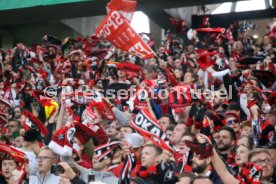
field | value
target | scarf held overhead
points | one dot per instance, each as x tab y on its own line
148	127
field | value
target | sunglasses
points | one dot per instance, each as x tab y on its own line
230	122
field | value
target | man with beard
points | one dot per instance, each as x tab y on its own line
262	158
201	180
203	167
225	143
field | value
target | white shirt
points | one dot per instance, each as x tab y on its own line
32	161
47	179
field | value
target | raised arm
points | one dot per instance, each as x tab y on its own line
218	164
60	117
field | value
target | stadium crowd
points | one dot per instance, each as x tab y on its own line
82	111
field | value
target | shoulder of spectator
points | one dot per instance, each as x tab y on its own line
77	180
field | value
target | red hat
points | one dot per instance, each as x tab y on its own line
9	153
62	140
33	126
105	151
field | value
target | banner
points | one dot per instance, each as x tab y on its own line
124	7
116	29
149	128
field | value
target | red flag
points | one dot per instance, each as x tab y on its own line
124	7
117	30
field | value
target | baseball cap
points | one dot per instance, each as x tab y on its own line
135	139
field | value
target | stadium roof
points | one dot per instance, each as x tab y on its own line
21	12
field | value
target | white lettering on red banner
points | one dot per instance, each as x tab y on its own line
142	121
116	29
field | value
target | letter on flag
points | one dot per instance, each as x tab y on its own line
124	7
116	29
150	129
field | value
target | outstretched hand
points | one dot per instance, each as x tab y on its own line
201	138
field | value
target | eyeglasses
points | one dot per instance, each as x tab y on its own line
43	158
261	162
230	122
